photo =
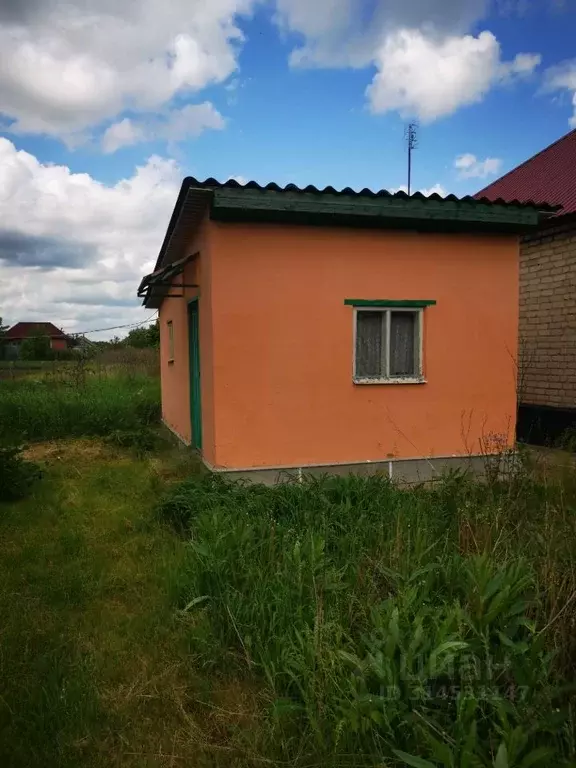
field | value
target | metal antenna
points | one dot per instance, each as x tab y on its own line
411	136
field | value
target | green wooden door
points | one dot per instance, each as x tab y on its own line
195	392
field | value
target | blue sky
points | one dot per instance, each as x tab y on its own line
107	108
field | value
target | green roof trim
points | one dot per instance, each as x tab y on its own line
389	211
329	207
416	303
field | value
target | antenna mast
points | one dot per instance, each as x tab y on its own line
411	136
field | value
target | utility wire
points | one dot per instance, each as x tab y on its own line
114	327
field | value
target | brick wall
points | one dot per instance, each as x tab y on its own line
547	373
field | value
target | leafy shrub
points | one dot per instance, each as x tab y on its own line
17	476
148	412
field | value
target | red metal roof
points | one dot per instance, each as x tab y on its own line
550	175
25	330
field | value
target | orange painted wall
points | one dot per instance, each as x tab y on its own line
175	378
283	345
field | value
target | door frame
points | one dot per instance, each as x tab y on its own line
194	374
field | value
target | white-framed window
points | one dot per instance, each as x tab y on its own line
388	345
170	341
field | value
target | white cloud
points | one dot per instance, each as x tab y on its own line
73	250
427	66
521	64
66	67
348	32
190	121
122	134
469	167
429	78
174	125
436	189
563	78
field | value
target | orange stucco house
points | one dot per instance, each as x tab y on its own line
309	330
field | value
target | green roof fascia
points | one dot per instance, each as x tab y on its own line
397	208
416	303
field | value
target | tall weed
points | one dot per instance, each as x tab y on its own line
48	409
419	627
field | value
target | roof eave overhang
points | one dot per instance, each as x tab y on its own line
189	210
559	220
385	212
325	209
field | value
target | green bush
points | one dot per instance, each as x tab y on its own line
403	627
36	347
17	476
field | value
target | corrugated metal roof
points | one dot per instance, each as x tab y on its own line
211	183
550	175
196	196
25	330
192	209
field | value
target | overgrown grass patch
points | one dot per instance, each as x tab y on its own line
337	622
98	405
425	627
93	663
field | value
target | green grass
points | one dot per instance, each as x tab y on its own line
94	668
49	409
391	627
336	622
31	364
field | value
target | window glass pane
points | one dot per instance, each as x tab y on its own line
403	343
369	344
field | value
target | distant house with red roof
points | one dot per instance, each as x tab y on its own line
547	365
15	335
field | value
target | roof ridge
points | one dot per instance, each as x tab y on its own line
525	162
41	323
211	183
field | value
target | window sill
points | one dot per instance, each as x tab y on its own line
406	380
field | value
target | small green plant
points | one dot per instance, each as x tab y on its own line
17	476
141	441
567	440
185	501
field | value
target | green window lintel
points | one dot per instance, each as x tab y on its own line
390	302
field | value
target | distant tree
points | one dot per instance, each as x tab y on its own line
154	334
3	329
144	337
138	337
36	347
